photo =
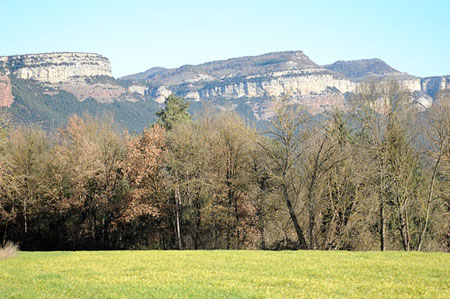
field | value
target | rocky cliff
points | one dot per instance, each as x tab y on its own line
432	85
269	75
255	79
6	98
86	75
58	67
245	84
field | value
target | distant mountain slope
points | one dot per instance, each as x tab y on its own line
234	67
148	74
34	104
48	88
254	80
363	69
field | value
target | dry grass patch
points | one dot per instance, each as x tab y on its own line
8	250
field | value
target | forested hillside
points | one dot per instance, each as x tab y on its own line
375	178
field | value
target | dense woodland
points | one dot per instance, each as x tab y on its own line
375	177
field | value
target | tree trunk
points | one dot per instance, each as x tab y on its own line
429	200
263	238
5	233
259	214
177	211
236	216
382	225
403	225
25	222
382	211
198	223
311	218
408	235
298	229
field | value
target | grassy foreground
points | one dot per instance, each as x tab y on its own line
224	274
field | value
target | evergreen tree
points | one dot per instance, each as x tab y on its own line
174	112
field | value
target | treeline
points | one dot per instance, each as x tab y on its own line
374	178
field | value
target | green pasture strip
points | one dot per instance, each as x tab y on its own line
224	274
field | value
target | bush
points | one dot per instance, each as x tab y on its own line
8	250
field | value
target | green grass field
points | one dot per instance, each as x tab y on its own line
224	274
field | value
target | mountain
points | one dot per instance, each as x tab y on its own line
48	88
252	81
363	69
234	67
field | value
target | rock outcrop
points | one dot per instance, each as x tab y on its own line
86	75
293	83
58	67
254	80
6	98
269	75
433	85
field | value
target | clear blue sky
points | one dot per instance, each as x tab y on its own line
412	36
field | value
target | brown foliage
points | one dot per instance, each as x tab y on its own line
142	170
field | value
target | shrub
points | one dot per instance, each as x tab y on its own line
8	250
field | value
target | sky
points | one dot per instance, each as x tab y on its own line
411	36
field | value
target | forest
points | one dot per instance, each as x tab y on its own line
372	177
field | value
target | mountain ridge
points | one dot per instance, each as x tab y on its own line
44	86
239	66
362	69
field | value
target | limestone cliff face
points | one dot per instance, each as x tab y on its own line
104	92
256	79
317	89
252	80
6	98
411	84
292	83
86	75
58	67
160	94
3	63
432	85
139	89
289	73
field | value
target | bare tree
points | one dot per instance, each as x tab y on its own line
439	141
378	104
284	151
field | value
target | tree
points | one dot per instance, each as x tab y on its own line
403	175
142	169
382	111
188	173
262	191
173	113
7	207
438	138
231	148
323	155
284	151
90	155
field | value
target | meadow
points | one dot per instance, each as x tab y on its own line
224	274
